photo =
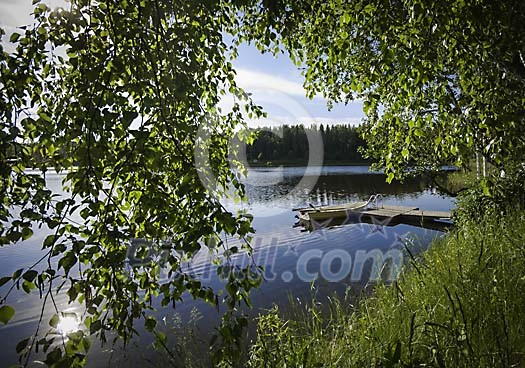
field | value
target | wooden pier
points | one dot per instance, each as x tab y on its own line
363	212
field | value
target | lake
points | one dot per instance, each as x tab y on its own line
332	259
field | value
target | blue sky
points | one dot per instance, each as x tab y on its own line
275	83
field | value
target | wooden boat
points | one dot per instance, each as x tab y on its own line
371	211
325	212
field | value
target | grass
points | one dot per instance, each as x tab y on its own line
462	304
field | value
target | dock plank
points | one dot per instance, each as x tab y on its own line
430	214
398	214
336	207
388	211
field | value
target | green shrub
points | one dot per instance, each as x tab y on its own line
493	196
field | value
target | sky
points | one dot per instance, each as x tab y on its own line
275	83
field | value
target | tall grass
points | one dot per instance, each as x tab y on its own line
461	305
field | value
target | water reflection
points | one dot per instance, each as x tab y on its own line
68	323
292	258
289	254
335	185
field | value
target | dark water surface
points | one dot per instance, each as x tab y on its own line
332	258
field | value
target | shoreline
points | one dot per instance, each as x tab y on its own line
305	163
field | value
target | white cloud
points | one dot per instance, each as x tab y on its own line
253	81
285	102
259	82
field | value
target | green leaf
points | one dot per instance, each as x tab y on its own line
14	236
22	345
28	286
17	273
27	232
86	342
14	37
53	322
150	323
4	280
346	18
6	313
485	186
95	326
68	261
53	357
30	275
49	241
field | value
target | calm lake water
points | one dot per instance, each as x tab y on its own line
333	259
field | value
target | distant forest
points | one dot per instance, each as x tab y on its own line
341	143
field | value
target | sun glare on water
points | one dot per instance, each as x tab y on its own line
67	325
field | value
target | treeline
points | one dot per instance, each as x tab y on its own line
290	144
